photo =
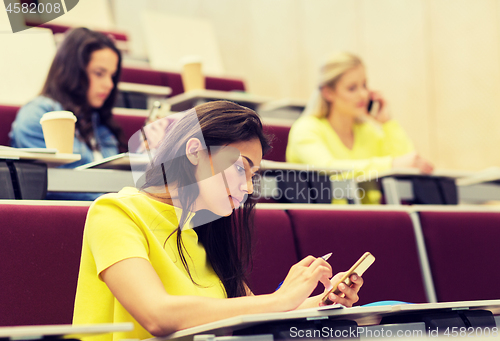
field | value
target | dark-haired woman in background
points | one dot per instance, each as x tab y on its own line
172	254
82	79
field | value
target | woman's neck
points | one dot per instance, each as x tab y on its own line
341	123
161	194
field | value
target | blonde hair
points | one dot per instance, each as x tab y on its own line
330	73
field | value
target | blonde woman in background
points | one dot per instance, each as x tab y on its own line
336	130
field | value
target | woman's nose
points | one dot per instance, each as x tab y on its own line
109	83
365	94
247	187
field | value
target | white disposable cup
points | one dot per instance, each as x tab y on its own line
192	75
59	130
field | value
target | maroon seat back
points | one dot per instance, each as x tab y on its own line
130	124
174	80
7	116
40	257
62	29
274	251
279	142
224	84
142	76
388	235
463	253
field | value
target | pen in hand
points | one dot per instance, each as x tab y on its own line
325	257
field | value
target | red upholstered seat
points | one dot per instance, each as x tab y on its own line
174	80
389	236
62	29
463	254
224	84
39	261
279	142
130	124
274	251
7	116
142	76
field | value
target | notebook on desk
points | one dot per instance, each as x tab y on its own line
117	162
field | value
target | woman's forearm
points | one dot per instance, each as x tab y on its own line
311	302
181	312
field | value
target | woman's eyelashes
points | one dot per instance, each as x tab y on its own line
240	169
98	73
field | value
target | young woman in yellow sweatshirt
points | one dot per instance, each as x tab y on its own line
174	253
336	129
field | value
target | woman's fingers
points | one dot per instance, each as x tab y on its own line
306	261
349	294
302	278
424	166
357	282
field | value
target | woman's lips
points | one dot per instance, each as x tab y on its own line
236	202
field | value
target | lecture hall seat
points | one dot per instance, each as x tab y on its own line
129	123
56	29
40	258
279	142
7	116
274	250
40	252
174	80
463	254
388	235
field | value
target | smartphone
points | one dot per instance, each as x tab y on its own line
358	268
370	105
373	107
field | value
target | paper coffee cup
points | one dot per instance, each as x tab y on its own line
59	130
192	75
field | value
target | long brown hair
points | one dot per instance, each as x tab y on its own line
67	81
227	240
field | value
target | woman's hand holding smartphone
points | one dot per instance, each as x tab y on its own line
378	108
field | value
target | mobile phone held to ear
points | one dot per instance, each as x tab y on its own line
358	268
373	107
370	105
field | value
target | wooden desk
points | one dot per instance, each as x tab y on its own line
285	104
149	90
115	174
142	95
88	180
289	108
481	186
69	331
397	184
472	187
364	316
188	100
270	171
51	159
